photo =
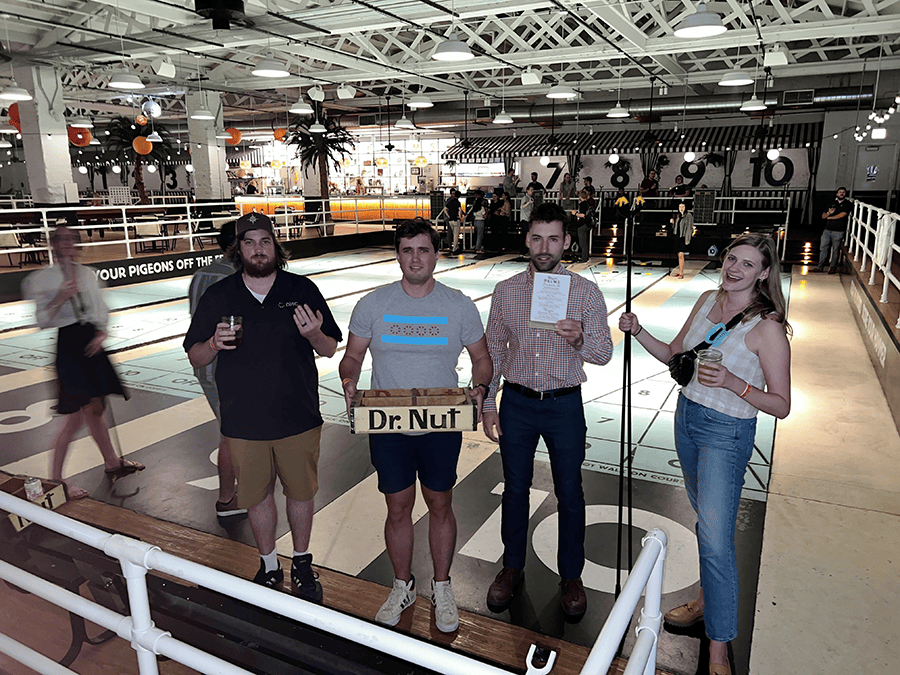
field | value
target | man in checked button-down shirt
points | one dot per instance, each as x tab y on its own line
543	371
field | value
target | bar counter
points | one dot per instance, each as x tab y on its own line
366	208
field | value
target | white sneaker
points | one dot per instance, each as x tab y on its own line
446	616
403	595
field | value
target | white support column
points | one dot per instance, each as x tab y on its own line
44	137
207	152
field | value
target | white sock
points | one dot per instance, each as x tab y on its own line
271	561
303	553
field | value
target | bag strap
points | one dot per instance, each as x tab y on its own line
735	320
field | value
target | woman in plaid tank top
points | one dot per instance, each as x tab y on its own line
715	420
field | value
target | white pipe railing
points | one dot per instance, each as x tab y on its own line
871	242
647	572
137	558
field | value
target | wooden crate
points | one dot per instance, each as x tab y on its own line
54	496
385	411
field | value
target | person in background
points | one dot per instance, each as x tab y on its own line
479	213
567	195
589	185
835	220
715	418
682	229
584	220
203	278
535	184
67	297
454	211
511	183
502	217
252	188
527	206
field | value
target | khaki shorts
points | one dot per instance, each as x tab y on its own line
295	460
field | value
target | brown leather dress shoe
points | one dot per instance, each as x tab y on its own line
504	587
574	599
719	669
685	615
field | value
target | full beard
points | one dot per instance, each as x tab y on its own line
259	267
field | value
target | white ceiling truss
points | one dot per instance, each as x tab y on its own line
383	47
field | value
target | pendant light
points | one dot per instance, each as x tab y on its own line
562	91
753	104
13	92
123	78
270	67
201	113
452	49
700	24
419	101
619	111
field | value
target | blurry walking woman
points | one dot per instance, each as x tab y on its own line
715	418
682	228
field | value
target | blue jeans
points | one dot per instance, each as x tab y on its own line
714	449
560	422
479	235
831	239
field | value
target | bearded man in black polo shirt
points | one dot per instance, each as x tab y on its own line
268	389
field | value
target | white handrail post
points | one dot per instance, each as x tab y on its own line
47	235
875	264
190	229
886	267
864	235
127	240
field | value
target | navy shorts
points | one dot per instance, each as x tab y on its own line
398	458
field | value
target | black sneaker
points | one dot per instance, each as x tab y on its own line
272	579
304	579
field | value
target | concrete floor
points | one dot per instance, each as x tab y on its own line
828	582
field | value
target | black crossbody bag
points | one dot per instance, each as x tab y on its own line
681	365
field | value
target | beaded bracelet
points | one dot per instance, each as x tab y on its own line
746	391
345	381
212	343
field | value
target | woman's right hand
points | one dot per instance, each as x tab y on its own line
628	323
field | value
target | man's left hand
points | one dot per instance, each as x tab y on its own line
308	322
571	331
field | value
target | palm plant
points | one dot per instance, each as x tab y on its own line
317	151
118	145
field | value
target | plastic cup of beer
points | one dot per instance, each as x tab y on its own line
235	323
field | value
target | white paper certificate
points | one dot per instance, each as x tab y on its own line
550	300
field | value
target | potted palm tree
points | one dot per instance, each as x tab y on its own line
317	150
118	145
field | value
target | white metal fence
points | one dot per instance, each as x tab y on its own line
872	243
25	231
137	557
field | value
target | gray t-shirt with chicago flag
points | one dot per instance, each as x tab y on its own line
416	342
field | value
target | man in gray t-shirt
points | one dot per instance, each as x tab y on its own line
416	329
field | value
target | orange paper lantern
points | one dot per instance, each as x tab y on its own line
141	119
235	136
78	136
280	134
141	145
14	117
